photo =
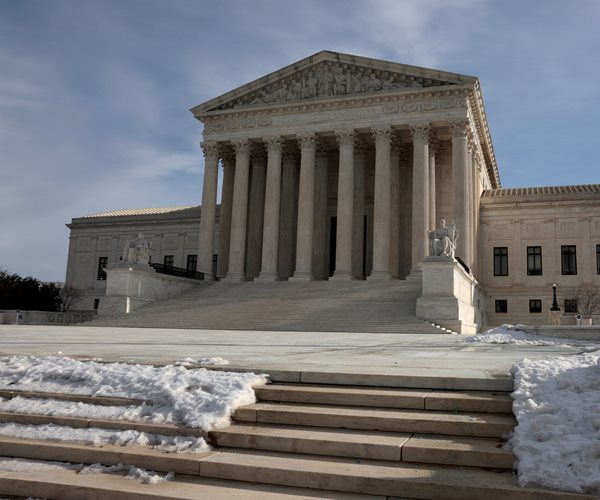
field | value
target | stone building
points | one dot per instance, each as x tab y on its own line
336	168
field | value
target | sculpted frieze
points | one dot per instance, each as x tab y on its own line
216	124
330	79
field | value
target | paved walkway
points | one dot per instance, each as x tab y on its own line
386	354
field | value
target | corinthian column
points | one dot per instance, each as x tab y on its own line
306	199
209	206
420	201
460	164
228	162
270	247
395	209
343	251
239	213
433	149
382	203
256	209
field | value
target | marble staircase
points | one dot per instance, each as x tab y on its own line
334	306
304	441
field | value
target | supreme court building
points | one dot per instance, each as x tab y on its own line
336	168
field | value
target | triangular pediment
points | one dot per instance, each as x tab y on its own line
330	75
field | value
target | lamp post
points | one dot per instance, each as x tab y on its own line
554	302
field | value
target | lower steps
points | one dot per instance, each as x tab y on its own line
305	441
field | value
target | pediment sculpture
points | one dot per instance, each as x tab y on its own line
330	79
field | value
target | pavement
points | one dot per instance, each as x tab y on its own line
441	355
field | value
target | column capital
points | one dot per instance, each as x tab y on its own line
345	137
396	145
273	143
227	156
210	148
381	133
290	152
459	129
434	145
323	150
258	154
361	148
307	140
420	132
241	146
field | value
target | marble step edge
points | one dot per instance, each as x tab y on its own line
79	398
395	420
476	401
374	445
356	476
85	423
70	485
373	477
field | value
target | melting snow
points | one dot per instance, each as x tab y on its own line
509	334
557	439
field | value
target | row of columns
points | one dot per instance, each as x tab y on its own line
267	176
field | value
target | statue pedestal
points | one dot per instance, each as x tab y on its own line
131	286
451	297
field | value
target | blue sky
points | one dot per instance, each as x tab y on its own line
94	95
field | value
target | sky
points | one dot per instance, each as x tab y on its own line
95	95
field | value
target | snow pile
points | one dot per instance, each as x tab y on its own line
25	465
196	398
133	472
509	334
101	437
216	361
557	405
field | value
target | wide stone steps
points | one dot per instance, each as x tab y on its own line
353	306
396	446
303	440
396	420
470	401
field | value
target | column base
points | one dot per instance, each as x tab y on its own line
342	276
235	278
302	276
267	277
379	276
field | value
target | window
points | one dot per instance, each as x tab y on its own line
192	262
571	305
169	260
568	258
597	259
534	261
501	305
102	263
535	306
96	303
500	261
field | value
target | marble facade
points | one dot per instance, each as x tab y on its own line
337	166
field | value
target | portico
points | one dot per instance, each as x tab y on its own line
337	166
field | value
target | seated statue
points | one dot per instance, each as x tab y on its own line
443	240
137	251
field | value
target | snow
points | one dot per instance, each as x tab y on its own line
101	437
216	361
557	406
509	334
24	465
197	398
133	472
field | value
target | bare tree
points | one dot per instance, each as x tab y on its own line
588	299
67	297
